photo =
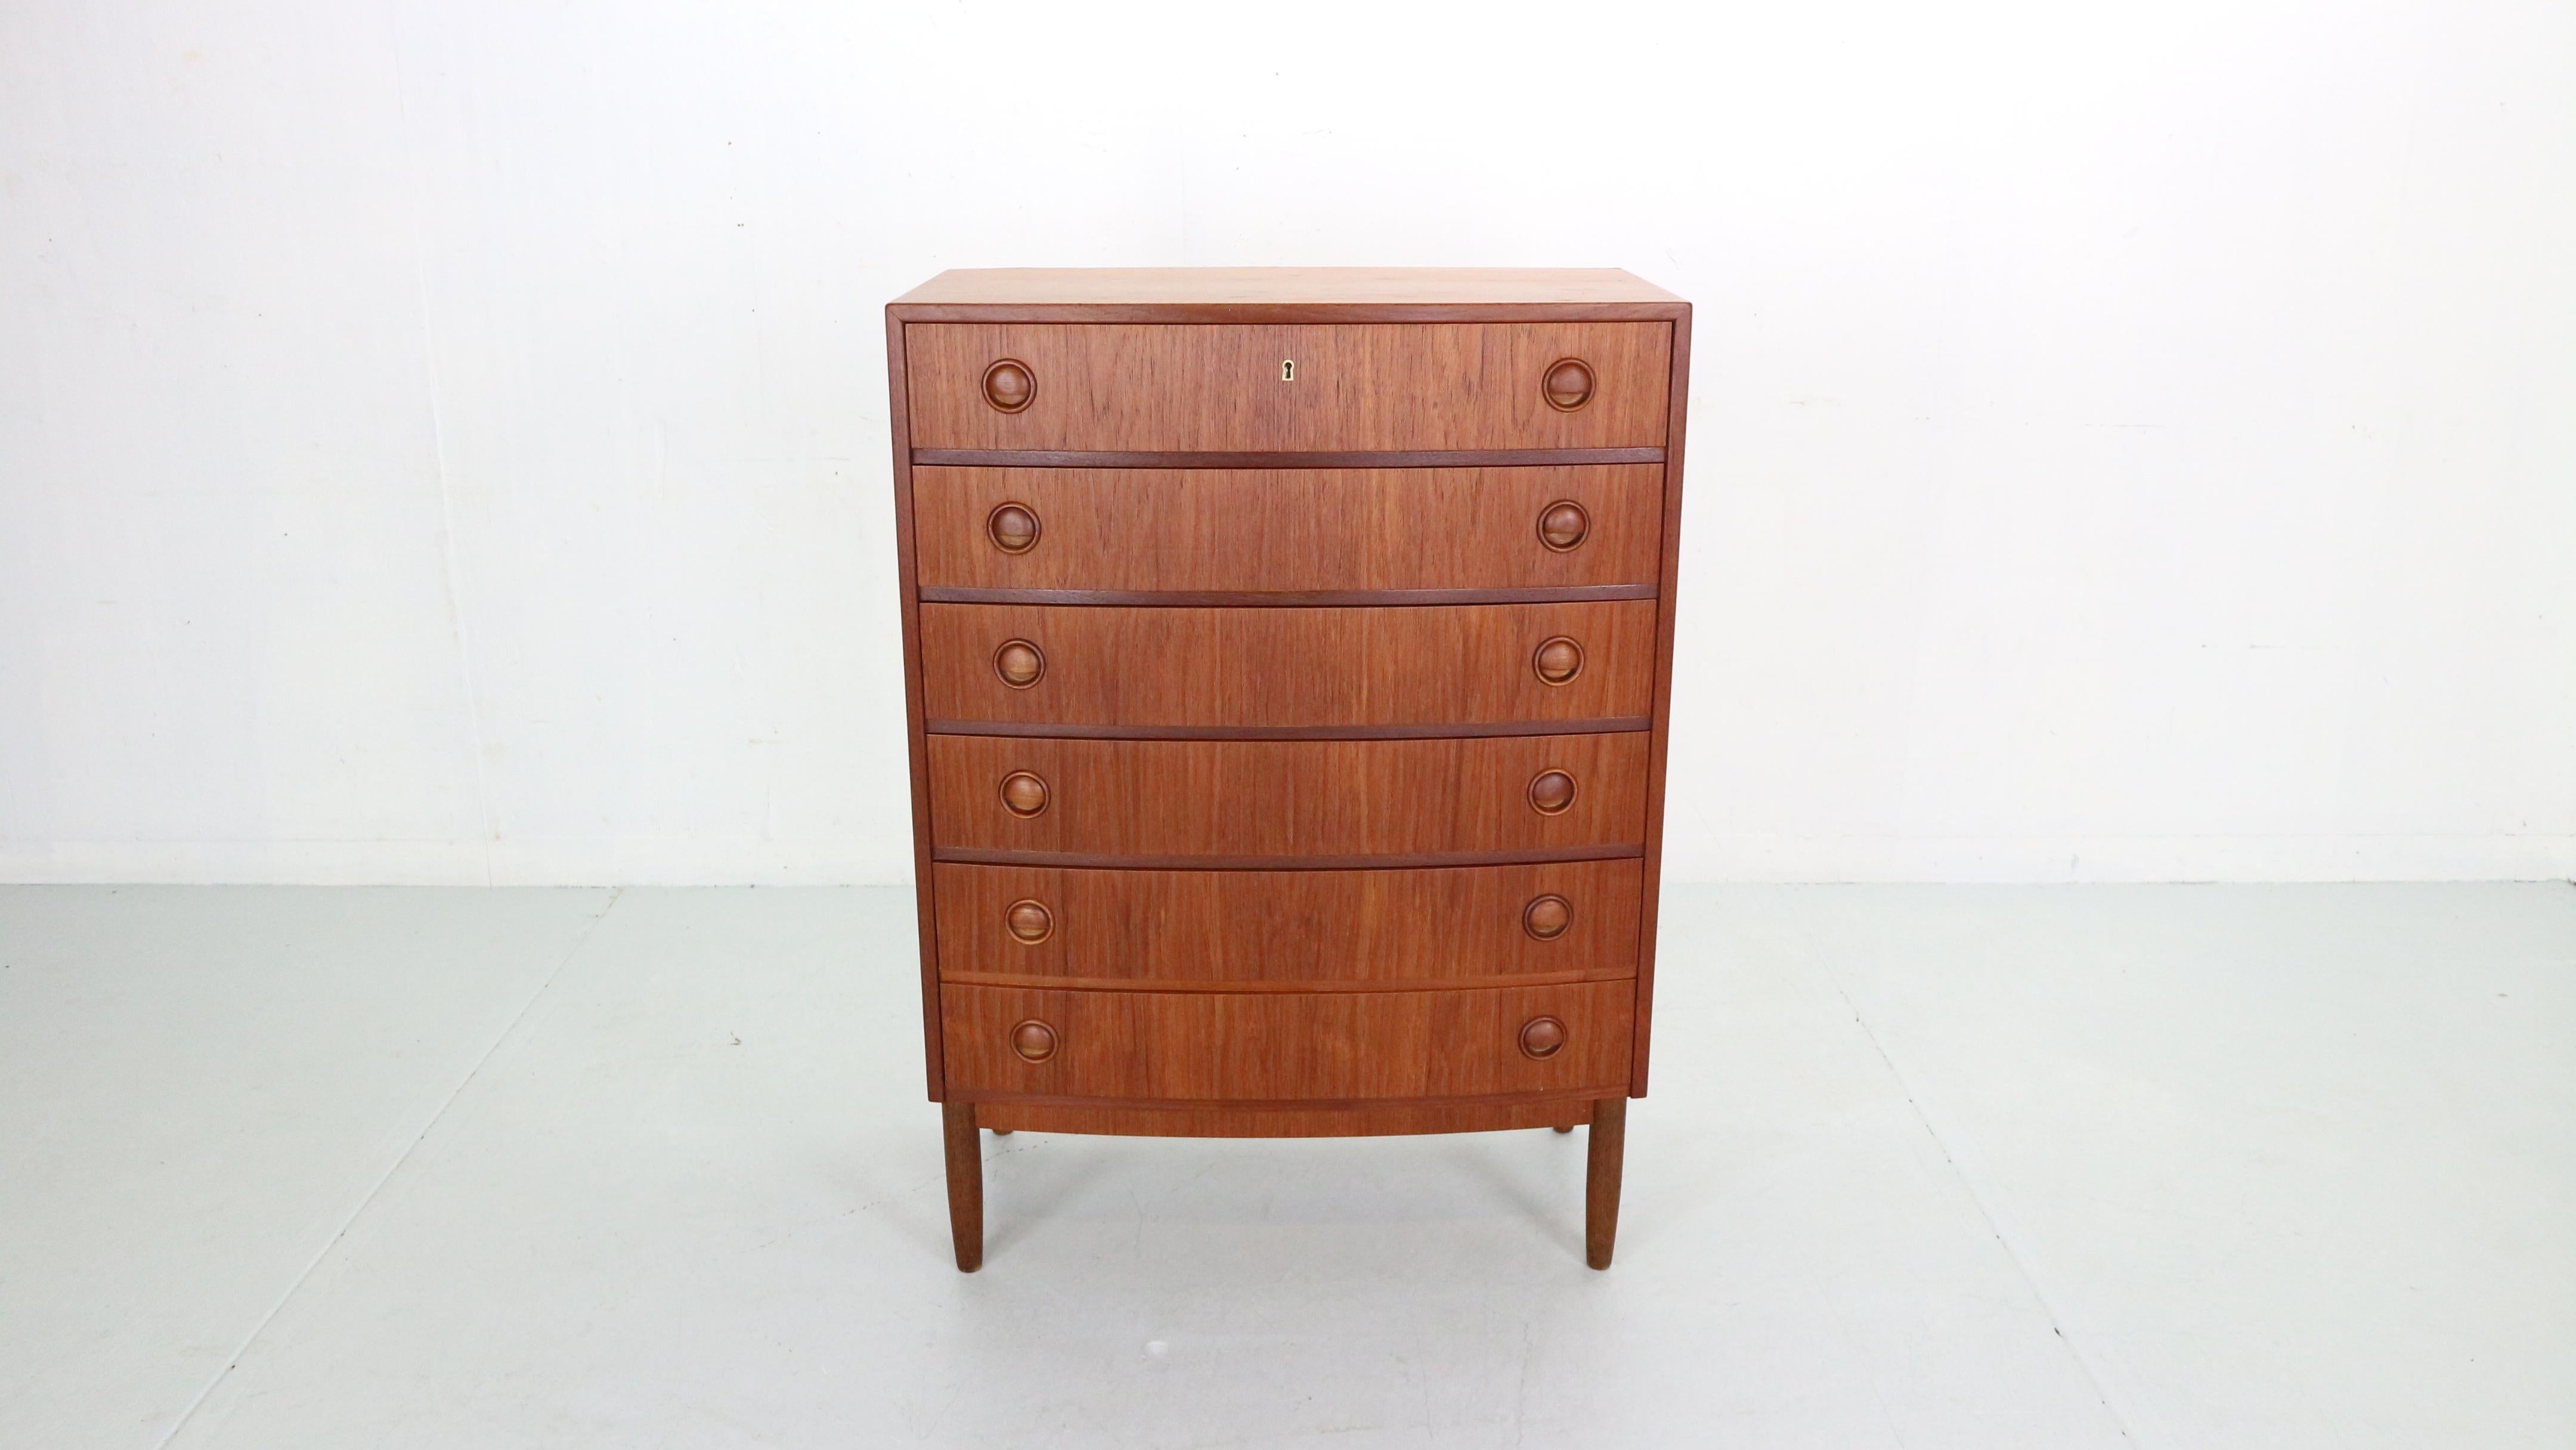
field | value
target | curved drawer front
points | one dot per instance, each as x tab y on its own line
1431	386
1288	668
1090	927
1157	799
1285	1046
1288	529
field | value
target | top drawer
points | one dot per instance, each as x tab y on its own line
1178	388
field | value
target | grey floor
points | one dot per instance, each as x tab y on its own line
1938	1166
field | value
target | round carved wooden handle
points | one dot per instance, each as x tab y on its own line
1024	795
1030	922
1021	664
1547	917
1034	1041
1013	528
1562	525
1568	385
1009	385
1551	793
1558	661
1541	1037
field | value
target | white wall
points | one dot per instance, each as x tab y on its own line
446	442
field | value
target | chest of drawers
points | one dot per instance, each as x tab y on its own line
1288	655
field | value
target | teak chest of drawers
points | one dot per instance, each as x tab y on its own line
1288	656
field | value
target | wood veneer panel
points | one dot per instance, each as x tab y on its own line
1287	926
1286	667
1295	529
1677	413
1091	287
1434	386
1008	1115
1267	798
1286	1047
907	574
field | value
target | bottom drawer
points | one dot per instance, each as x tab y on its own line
1285	1046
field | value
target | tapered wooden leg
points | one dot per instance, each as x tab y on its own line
966	1184
1609	1143
1565	1127
1001	1132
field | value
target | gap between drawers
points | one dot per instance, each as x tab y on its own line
1023	981
1286	598
985	856
1043	730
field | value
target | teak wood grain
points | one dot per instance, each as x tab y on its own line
1437	386
1605	1156
965	1153
1289	855
1661	740
1247	294
1559	1112
907	572
1296	529
1269	798
1303	1047
1286	667
1286	928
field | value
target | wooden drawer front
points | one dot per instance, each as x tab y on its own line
1460	385
1288	529
1287	668
1272	798
1094	927
1283	1046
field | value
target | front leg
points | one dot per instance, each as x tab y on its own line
965	1184
1609	1144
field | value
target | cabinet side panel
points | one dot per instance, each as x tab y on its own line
1668	590
898	417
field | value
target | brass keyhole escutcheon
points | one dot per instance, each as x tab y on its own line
1288	370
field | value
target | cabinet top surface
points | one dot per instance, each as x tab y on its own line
1211	291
